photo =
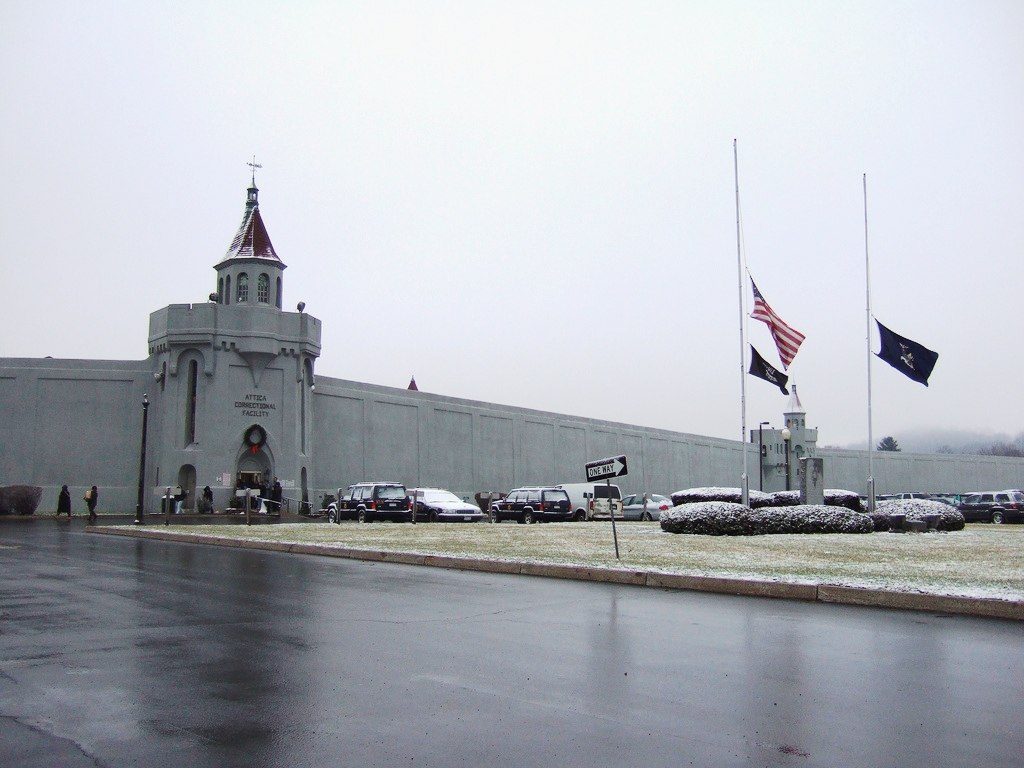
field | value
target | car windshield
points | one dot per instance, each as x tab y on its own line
439	496
390	492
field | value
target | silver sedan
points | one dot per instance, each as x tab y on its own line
645	506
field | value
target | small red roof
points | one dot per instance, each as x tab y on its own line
252	240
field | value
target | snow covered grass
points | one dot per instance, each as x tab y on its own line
979	561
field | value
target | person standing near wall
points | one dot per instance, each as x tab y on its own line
275	495
92	496
207	500
64	502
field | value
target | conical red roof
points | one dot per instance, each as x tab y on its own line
252	240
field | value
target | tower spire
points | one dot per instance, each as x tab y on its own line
254	165
253	200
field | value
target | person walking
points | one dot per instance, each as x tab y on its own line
91	497
64	502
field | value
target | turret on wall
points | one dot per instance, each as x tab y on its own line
776	452
233	406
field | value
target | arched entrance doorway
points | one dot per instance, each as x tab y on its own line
255	466
187	481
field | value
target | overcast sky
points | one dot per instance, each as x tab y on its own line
534	203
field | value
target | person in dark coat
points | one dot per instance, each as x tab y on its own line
207	500
91	497
275	494
64	502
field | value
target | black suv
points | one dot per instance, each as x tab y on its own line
532	505
993	507
367	502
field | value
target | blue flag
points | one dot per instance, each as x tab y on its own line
908	357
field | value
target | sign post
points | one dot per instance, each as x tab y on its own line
606	469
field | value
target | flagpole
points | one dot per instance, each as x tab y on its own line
867	282
744	482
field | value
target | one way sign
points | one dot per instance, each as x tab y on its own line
602	469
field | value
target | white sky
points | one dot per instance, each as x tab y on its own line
533	203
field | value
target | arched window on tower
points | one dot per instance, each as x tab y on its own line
278	298
220	290
243	288
263	288
227	289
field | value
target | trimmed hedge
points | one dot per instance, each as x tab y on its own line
714	493
833	497
19	499
950	518
722	518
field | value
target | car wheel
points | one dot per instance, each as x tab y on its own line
997	517
580	516
361	516
432	517
528	517
646	516
332	516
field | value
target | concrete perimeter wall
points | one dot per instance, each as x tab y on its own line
368	432
78	422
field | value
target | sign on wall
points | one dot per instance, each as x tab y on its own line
255	405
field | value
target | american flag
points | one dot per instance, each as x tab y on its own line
788	340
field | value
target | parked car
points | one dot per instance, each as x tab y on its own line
993	507
635	507
436	505
532	505
367	502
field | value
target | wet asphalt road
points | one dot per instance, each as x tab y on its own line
122	652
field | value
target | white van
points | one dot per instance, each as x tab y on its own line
590	501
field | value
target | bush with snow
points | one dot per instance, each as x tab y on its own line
833	497
714	493
723	518
950	518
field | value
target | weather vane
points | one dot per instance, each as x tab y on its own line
254	165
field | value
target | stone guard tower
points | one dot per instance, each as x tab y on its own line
803	443
232	404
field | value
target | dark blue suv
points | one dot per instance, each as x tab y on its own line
532	505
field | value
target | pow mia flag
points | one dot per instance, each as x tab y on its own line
764	370
908	357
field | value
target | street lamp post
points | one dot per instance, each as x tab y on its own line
786	435
142	462
761	452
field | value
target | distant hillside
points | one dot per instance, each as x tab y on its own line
946	441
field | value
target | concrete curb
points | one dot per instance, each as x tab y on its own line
806	591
